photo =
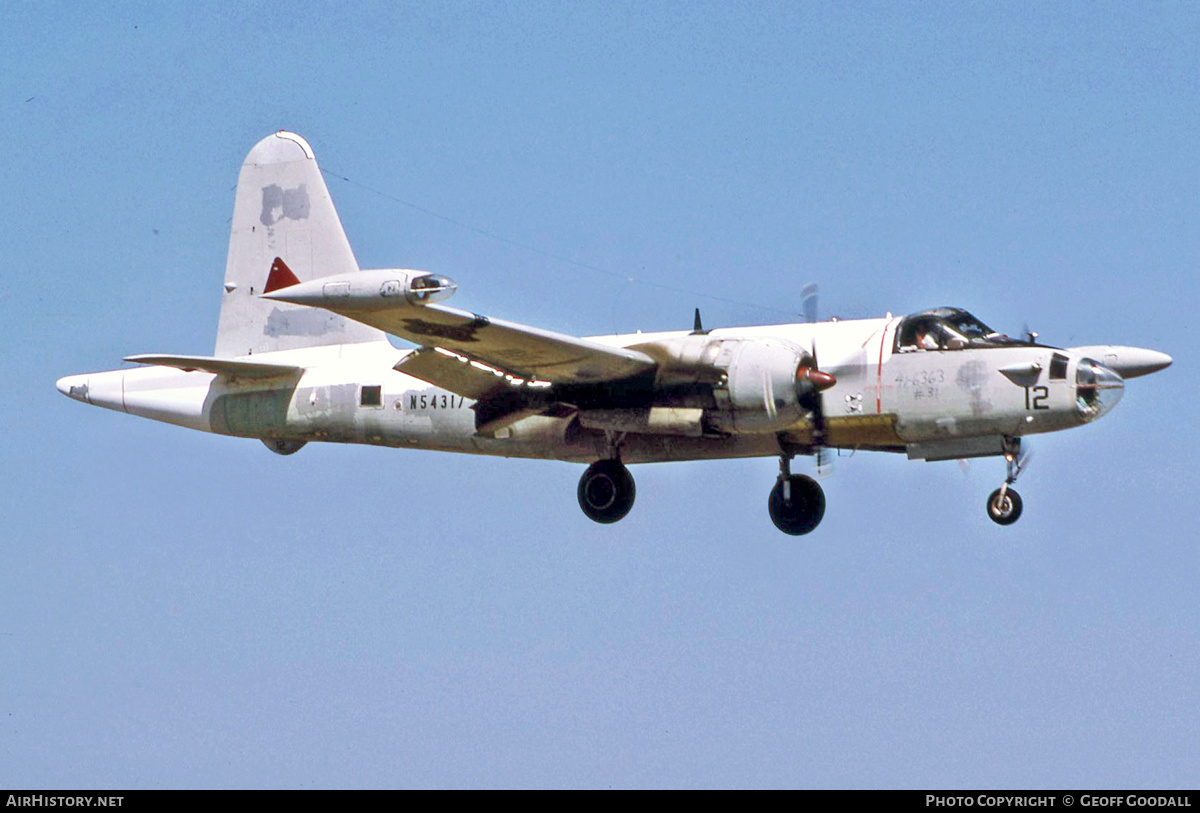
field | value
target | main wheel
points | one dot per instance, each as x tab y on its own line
283	445
802	511
1004	508
606	491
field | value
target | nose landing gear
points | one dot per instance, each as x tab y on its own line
1004	504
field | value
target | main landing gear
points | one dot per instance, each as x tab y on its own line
1004	504
606	491
797	502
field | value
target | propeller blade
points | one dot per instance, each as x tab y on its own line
810	383
808	298
1025	459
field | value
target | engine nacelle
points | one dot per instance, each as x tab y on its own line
742	385
759	391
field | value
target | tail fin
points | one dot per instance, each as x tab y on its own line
283	210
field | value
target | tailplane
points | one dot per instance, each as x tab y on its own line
282	211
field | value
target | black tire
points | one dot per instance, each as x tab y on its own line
606	491
1006	510
283	445
803	512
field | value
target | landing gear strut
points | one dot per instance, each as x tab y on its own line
1004	504
606	491
797	502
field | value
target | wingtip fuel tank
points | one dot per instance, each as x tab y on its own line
359	290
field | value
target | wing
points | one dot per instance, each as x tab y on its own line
506	351
508	369
466	353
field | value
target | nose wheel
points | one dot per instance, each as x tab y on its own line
1004	504
606	491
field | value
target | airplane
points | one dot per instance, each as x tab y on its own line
302	354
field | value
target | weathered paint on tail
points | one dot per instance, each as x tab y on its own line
282	209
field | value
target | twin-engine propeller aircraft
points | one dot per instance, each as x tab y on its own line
302	355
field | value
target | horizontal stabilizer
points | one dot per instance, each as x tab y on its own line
231	368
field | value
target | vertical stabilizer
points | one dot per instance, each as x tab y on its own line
282	209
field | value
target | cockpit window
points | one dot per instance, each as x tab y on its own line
947	329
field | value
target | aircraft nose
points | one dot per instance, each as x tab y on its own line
1097	387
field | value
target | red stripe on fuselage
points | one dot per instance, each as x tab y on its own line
879	374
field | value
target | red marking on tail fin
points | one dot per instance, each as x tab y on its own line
280	277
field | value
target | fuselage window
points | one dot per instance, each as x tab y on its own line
1058	367
371	395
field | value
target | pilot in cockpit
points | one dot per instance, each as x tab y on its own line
924	335
927	338
944	329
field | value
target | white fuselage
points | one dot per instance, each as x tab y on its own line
883	399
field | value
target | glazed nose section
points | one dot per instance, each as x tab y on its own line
1097	389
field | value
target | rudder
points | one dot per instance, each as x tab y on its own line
282	209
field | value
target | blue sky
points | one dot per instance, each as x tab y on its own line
185	610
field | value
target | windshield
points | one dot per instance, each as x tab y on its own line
947	329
